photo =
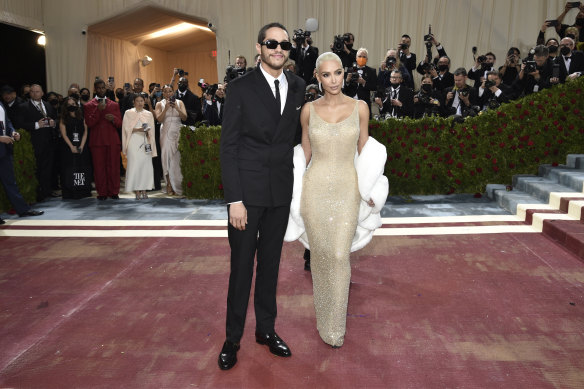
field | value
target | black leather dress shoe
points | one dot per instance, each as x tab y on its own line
115	197
31	212
307	259
228	355
275	343
102	197
2	221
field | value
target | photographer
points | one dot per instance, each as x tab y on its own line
389	64
428	100
484	63
578	22
343	47
213	107
191	101
535	73
441	76
511	68
405	56
426	65
361	79
312	93
304	54
492	93
397	101
138	89
571	62
461	99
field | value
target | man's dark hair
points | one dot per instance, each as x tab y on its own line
460	72
406	36
6	89
139	79
397	71
552	39
515	50
351	35
541	51
97	82
262	33
492	55
151	85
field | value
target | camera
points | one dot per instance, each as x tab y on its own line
355	73
390	62
309	96
489	84
481	58
428	37
530	66
210	90
403	46
463	92
338	43
493	103
231	73
427	67
182	73
300	36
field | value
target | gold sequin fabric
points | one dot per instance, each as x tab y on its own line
330	208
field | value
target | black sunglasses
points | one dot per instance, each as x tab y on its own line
272	44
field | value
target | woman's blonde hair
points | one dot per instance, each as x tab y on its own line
328	56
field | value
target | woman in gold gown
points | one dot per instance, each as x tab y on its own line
333	127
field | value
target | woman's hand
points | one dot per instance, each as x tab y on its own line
371	203
74	149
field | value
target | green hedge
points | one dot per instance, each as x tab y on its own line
436	155
24	169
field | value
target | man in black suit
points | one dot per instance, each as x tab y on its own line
538	75
305	57
11	101
397	100
213	106
405	55
571	62
360	87
441	76
492	92
40	119
261	120
191	101
460	99
7	138
483	64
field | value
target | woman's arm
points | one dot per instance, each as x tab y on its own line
363	125
160	113
182	111
63	130
304	118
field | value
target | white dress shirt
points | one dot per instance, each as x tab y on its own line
283	86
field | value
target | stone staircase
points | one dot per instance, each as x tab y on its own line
551	202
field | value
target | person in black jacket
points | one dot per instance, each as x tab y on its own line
305	57
441	76
191	101
484	63
492	92
536	73
361	80
428	100
397	101
260	123
405	55
571	62
40	120
461	99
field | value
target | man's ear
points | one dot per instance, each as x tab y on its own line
258	48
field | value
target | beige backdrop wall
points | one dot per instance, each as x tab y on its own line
491	25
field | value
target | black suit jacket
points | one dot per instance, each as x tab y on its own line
363	92
305	65
257	143
406	97
448	109
6	150
576	64
192	104
447	81
28	115
504	97
12	111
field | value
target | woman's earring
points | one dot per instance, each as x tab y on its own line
343	84
320	87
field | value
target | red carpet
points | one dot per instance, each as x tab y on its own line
454	311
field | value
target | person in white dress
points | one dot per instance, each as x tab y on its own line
170	112
139	147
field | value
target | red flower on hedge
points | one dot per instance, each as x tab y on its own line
214	140
202	161
206	176
192	145
200	142
530	143
501	114
220	187
460	165
478	195
518	105
188	136
189	184
576	111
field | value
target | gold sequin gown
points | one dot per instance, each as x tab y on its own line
330	207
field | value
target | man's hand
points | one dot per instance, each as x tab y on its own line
433	72
349	76
238	216
42	123
6	139
464	99
494	89
361	81
51	123
396	102
572	76
449	96
378	102
110	117
101	106
16	136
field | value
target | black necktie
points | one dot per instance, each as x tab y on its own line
277	85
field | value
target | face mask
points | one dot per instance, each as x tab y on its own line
349	46
54	102
361	61
71	108
27	95
565	50
553	49
442	68
182	87
394	84
120	96
85	97
75	96
427	88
